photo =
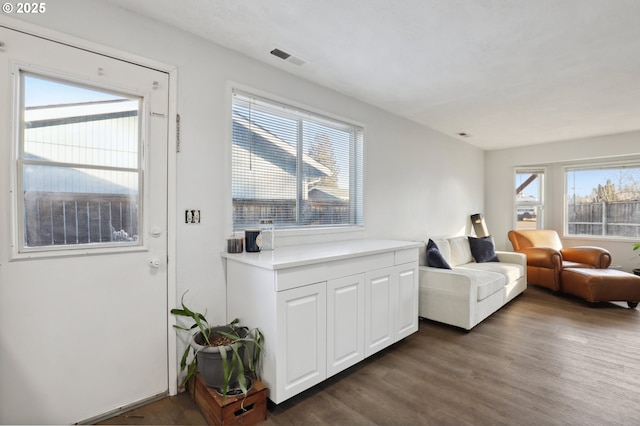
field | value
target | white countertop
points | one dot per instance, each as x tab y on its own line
300	255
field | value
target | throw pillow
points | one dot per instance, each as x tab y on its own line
434	257
483	249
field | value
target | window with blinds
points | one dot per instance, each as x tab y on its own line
298	168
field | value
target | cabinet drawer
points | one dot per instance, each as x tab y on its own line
406	256
358	265
302	275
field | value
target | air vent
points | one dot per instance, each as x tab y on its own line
280	54
288	57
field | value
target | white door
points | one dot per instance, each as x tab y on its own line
83	224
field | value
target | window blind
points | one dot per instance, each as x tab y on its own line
293	166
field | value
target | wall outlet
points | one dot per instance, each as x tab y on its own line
192	216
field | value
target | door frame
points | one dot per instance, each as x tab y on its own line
172	71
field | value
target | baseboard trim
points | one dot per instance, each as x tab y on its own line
123	409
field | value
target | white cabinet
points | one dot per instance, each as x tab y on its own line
325	307
392	305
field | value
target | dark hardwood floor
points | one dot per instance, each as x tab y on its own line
543	359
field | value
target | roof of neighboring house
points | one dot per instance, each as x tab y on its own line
267	144
66	179
328	193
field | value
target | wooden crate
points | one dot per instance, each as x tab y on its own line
236	410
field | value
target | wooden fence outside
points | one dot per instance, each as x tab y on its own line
616	218
248	212
72	218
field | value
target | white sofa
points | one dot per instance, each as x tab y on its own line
469	292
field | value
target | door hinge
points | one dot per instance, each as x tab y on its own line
177	132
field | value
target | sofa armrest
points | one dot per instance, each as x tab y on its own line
448	280
512	257
596	256
543	257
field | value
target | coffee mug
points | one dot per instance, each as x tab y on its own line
252	240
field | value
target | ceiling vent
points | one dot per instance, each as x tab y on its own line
288	57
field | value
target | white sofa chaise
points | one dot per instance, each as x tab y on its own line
469	292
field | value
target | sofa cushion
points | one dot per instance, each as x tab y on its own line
445	249
483	249
511	271
487	282
434	257
460	251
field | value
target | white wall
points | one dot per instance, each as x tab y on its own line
417	182
500	190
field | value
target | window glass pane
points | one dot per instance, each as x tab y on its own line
603	201
529	199
101	129
292	166
80	164
326	176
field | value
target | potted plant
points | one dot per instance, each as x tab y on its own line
636	246
222	354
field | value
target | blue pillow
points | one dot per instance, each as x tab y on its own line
434	257
483	249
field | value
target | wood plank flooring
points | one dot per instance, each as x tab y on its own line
543	359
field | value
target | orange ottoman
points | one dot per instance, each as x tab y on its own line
602	285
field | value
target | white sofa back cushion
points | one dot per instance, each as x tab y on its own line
460	251
445	250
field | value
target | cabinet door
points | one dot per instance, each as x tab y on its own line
407	300
379	309
301	347
345	322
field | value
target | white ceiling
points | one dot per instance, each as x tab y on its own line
506	72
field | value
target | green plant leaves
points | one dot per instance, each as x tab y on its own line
232	362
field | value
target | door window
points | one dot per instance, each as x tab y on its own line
79	165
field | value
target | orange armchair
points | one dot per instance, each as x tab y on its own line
546	257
